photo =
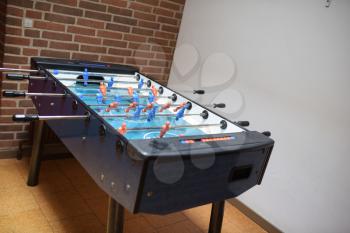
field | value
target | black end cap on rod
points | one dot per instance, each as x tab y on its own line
17	77
199	92
173	97
205	114
221	105
24	118
243	123
267	133
13	94
223	124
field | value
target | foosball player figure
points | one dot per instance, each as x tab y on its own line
148	107
151	97
111	106
180	106
110	83
131	106
99	98
122	129
86	76
103	89
130	91
140	84
137	112
154	90
165	106
165	129
180	114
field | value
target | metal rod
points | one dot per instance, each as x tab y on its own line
125	105
37	77
172	127
115	88
35	160
71	117
219	105
82	80
95	81
78	117
97	73
45	94
145	115
124	96
2	69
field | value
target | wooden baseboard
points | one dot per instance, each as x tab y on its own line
8	153
263	223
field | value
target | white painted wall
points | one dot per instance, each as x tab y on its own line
292	67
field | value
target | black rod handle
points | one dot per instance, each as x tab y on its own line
24	118
199	92
243	123
267	133
221	105
13	94
17	77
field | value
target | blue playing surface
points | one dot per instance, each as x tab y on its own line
130	121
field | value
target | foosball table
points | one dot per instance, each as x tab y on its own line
151	149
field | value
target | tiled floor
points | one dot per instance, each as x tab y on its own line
68	201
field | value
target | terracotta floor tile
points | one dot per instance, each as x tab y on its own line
7	162
32	221
100	207
200	216
63	205
10	176
80	224
138	225
181	227
23	167
88	189
51	182
158	221
72	170
16	200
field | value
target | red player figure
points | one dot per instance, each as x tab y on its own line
122	129
180	106
165	128
112	106
148	107
103	89
131	106
154	90
130	91
165	106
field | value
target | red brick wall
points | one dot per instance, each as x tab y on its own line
141	33
2	34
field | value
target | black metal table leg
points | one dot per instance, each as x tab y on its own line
216	217
35	159
115	221
19	155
